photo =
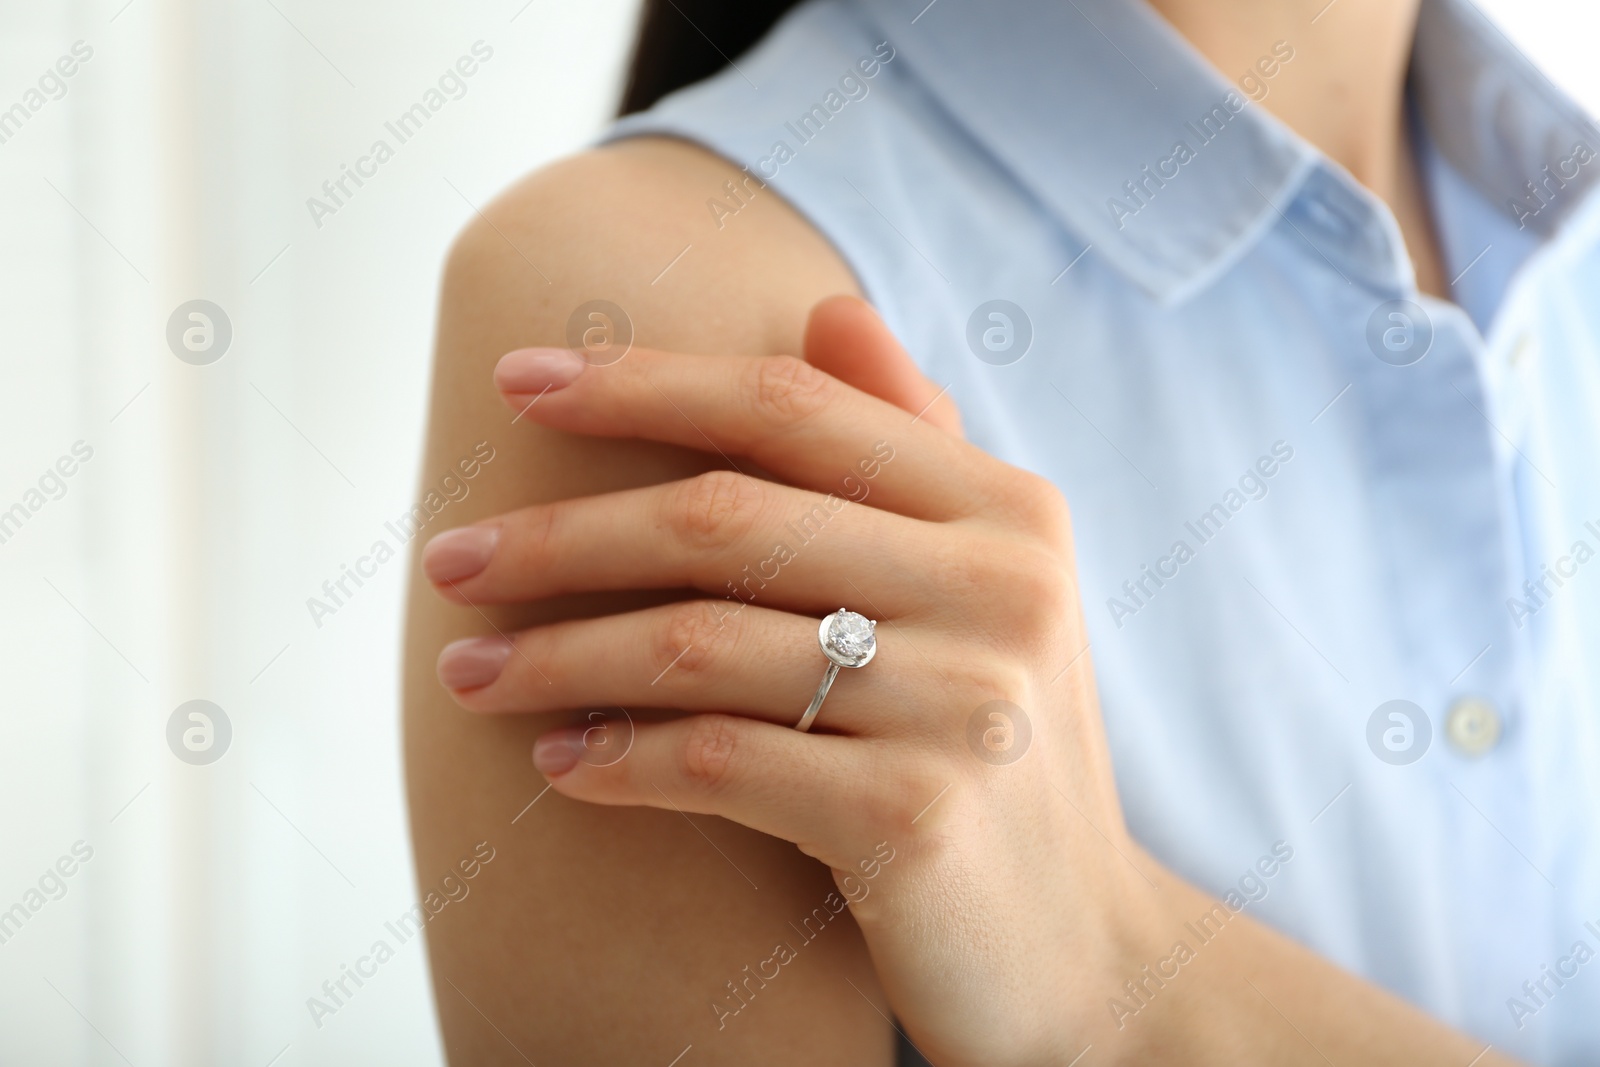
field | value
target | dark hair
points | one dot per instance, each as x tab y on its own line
682	41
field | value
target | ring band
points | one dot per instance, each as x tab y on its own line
847	640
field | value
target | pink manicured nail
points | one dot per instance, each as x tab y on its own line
472	662
557	752
535	370
459	554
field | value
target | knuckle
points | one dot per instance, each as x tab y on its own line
1014	591
984	679
786	390
1056	601
707	756
1037	504
899	807
917	797
990	678
717	508
1043	593
690	637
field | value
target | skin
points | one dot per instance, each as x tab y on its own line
1343	92
601	935
608	921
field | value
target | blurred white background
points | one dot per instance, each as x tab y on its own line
218	498
175	564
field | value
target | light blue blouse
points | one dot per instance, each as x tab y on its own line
1301	489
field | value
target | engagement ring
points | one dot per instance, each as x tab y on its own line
848	641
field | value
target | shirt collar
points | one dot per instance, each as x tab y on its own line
1169	171
1498	120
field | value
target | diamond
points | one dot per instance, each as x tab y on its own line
850	635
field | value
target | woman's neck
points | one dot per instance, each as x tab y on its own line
1344	92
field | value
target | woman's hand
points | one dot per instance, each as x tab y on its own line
958	785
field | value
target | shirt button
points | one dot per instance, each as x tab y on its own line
1473	726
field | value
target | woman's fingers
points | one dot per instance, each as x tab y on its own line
722	533
825	794
791	419
695	655
846	338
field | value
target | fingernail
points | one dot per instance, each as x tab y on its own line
557	752
472	662
535	370
459	554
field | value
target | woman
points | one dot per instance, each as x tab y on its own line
1277	754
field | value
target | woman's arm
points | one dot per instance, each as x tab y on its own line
603	935
1254	996
1005	919
597	934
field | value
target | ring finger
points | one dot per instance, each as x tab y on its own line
695	655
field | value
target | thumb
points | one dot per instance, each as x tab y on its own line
846	338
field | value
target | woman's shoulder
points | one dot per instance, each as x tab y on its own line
691	250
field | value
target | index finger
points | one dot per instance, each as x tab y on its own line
783	414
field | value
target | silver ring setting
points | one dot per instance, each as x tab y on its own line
848	640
